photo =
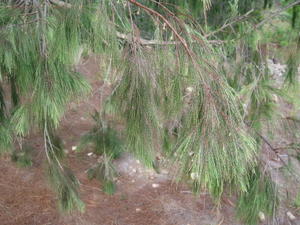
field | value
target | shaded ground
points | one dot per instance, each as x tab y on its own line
142	197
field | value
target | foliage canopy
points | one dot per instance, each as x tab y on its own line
173	92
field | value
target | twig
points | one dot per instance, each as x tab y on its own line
151	11
20	24
158	42
292	145
292	119
182	41
264	139
126	37
238	19
279	11
47	140
287	147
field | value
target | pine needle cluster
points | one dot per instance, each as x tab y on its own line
107	145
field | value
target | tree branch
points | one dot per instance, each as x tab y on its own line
238	19
279	11
153	12
265	140
292	119
142	41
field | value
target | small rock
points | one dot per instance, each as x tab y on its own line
290	216
100	159
138	161
134	171
163	171
275	98
155	185
151	177
275	61
189	89
186	192
274	164
191	153
194	176
138	210
284	157
261	216
132	181
66	151
90	154
74	148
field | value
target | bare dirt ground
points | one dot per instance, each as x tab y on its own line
142	197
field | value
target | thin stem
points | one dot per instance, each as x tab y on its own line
180	38
278	12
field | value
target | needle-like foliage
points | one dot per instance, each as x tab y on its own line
103	138
213	144
62	179
66	185
39	46
105	172
134	99
23	157
107	146
261	197
172	91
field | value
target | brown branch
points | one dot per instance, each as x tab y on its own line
153	12
189	51
292	119
142	41
191	18
289	146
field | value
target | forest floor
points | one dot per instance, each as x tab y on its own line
142	197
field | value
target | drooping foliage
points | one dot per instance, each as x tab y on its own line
39	45
173	94
107	145
261	197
